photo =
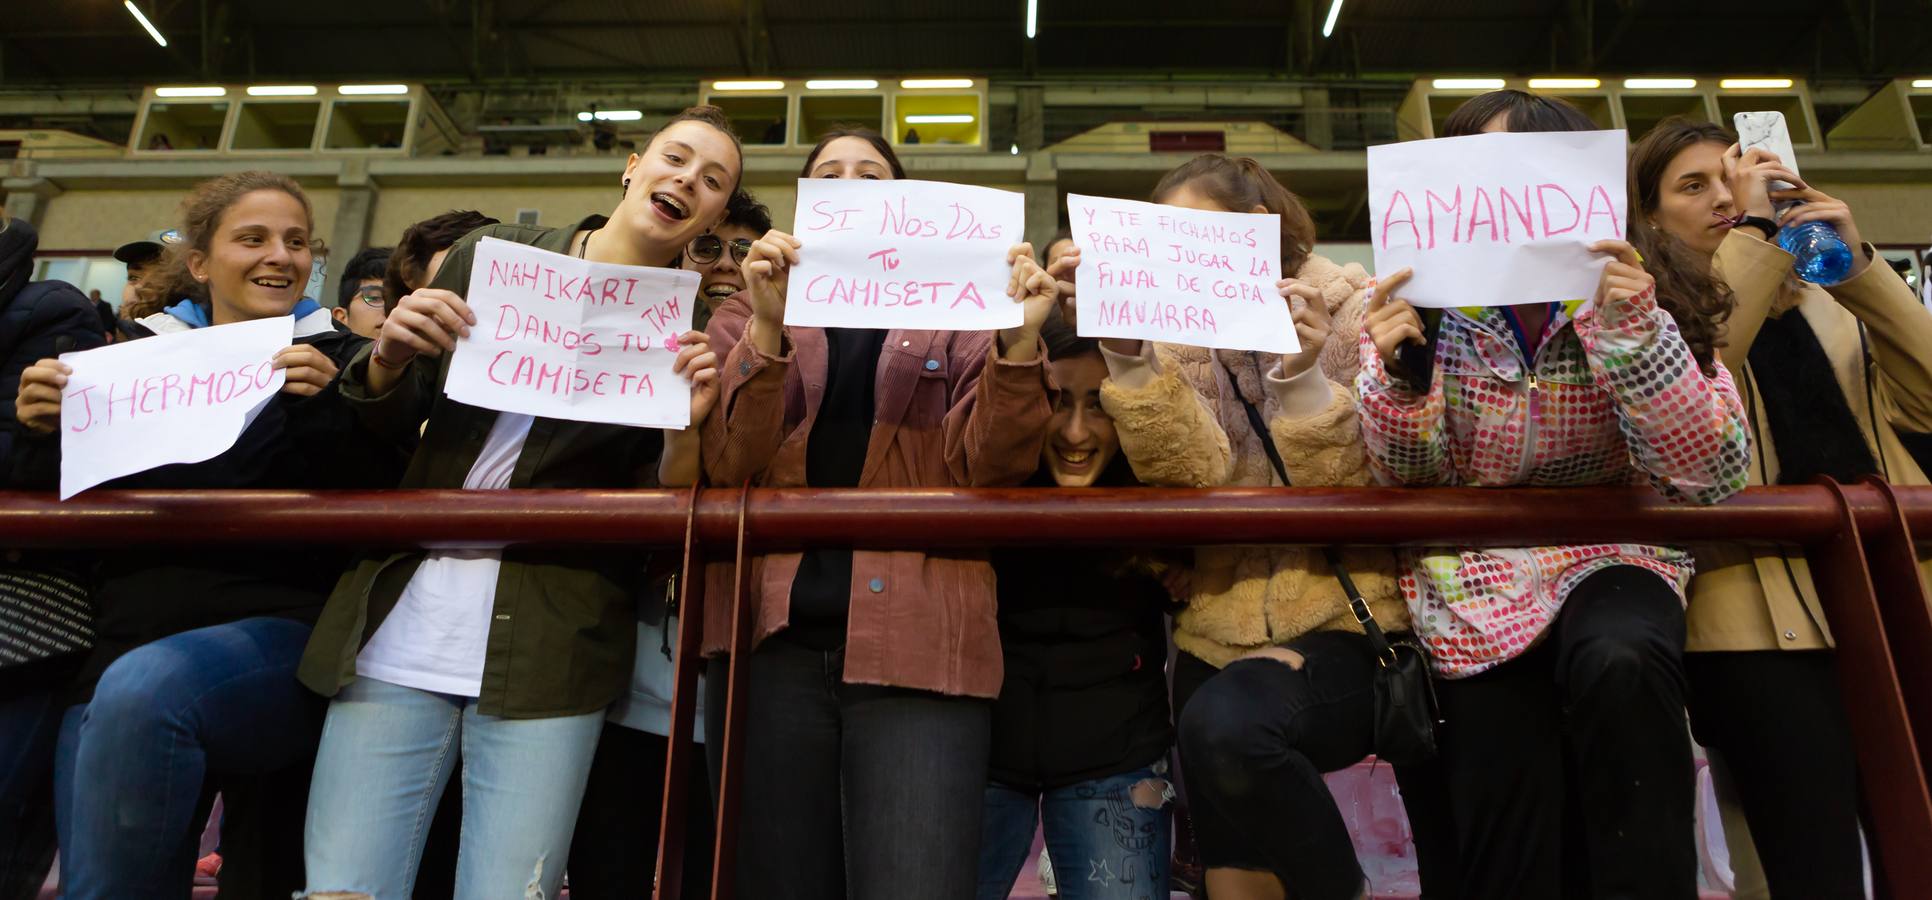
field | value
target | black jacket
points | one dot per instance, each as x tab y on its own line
144	594
1085	643
38	320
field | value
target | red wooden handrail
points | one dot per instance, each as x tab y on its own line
934	518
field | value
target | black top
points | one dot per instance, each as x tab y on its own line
144	594
835	457
1085	644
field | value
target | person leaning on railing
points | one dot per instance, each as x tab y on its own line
867	722
513	653
1836	380
1558	665
1273	681
192	675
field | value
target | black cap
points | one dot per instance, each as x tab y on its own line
138	252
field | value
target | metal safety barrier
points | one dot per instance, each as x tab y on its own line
1858	539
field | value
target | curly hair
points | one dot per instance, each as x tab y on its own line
1687	287
168	280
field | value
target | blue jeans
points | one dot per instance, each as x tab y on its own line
387	755
29	723
1109	838
132	763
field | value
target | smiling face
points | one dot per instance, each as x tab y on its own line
851	157
1693	200
722	278
1081	439
678	187
258	258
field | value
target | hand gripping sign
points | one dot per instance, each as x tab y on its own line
903	254
1185	276
172	398
567	338
1497	219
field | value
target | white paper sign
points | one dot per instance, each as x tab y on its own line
1497	219
1184	276
904	254
566	338
172	398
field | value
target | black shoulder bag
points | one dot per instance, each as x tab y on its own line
1405	700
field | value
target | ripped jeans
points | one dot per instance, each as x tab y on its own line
388	752
1108	838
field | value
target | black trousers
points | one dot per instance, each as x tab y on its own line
612	853
1569	770
1255	739
1776	719
850	790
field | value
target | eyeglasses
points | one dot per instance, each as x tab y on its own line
706	249
371	295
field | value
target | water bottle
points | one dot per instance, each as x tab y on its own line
1823	258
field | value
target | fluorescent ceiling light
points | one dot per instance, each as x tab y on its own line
747	85
1743	84
1922	83
841	84
1016	149
359	90
1334	12
196	91
1659	84
1467	84
1564	84
926	84
153	32
612	115
940	119
281	90
1032	18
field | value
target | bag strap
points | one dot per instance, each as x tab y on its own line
1378	642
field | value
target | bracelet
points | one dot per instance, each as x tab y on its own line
1763	224
375	356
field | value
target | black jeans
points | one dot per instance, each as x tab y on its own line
613	852
1255	740
1569	770
853	790
1776	719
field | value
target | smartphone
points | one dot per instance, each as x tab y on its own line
1768	131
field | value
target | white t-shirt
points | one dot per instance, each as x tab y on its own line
435	637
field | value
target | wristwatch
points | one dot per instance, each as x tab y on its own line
1763	224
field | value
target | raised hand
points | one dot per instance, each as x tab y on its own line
309	370
1312	324
1039	294
1390	320
1623	278
428	322
37	404
698	363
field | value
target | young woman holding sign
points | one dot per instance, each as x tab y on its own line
1274	678
191	682
1080	730
867	715
1560	668
515	653
1836	380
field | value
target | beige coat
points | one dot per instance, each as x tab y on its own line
1761	599
1181	422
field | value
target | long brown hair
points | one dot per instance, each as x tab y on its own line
1239	184
1694	295
168	280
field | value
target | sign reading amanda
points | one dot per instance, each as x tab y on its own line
566	338
1497	219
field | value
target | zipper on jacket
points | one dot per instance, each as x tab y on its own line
1529	433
